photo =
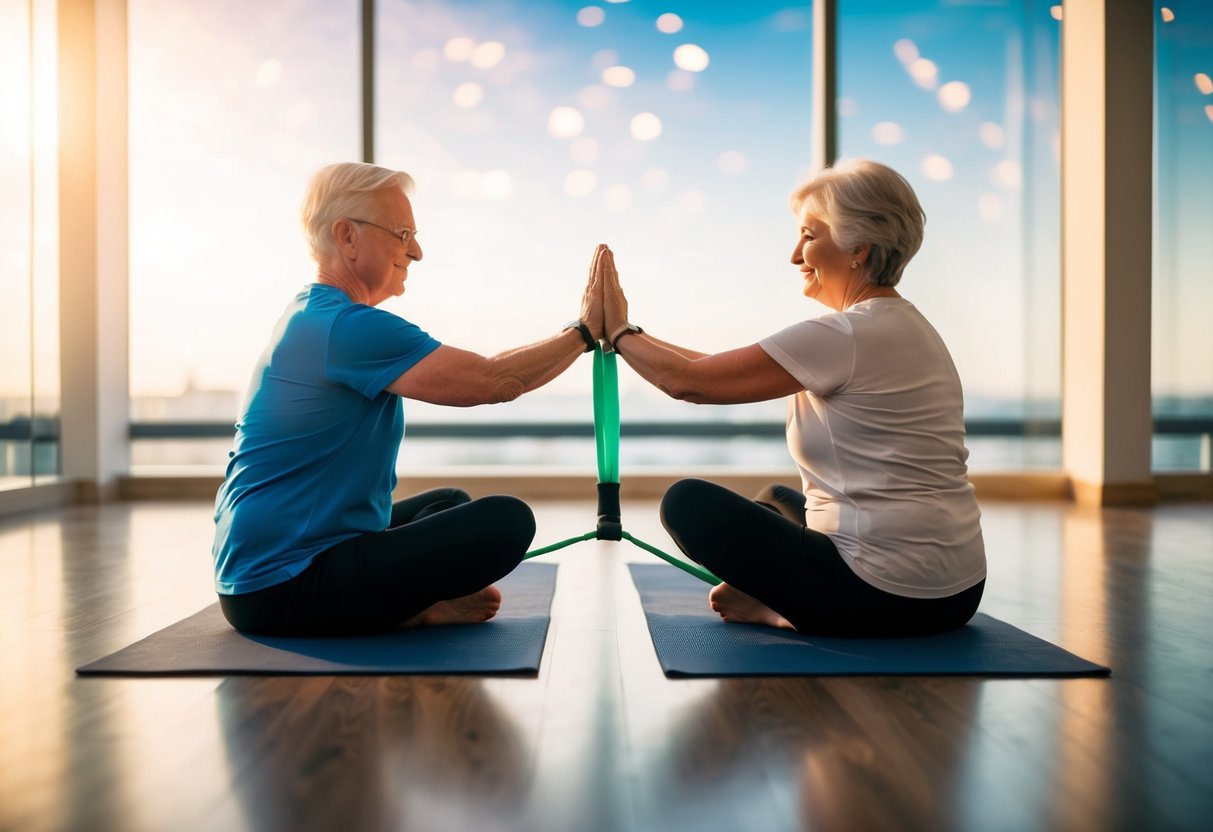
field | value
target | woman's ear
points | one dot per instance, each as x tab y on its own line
860	254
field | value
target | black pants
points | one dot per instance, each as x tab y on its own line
439	545
763	548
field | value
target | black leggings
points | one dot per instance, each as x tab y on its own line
439	545
763	548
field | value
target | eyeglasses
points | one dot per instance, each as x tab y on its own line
405	236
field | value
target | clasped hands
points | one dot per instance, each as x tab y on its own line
604	308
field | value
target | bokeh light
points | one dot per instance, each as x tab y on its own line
887	132
992	135
1008	173
691	57
458	49
1204	83
669	23
645	127
591	16
680	80
565	122
905	50
618	76
937	168
488	54
954	96
924	73
468	95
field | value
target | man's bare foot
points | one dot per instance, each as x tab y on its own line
735	607
469	609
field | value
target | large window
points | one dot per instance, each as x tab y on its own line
1182	366
29	286
963	99
536	130
232	106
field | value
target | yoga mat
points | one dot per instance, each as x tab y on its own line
691	640
206	645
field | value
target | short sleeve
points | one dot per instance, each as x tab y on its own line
370	348
819	353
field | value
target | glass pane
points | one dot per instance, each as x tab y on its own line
29	319
219	161
963	100
1182	368
675	138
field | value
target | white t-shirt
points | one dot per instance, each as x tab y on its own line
878	435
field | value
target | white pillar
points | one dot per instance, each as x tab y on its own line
93	242
1106	166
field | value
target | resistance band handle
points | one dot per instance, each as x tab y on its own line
610	527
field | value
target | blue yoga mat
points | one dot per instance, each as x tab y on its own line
691	640
206	645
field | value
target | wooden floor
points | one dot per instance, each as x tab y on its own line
600	739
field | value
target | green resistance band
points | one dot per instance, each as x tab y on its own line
606	438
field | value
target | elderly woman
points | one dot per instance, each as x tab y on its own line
307	539
885	539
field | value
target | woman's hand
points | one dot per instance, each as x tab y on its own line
614	303
591	299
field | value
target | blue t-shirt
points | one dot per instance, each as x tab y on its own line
314	461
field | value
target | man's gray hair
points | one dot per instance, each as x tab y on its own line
344	189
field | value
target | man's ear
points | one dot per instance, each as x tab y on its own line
342	232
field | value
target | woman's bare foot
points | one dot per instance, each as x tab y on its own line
735	607
469	609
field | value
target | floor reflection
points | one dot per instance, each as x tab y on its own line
836	752
371	753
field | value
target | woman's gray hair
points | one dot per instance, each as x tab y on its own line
867	203
344	189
